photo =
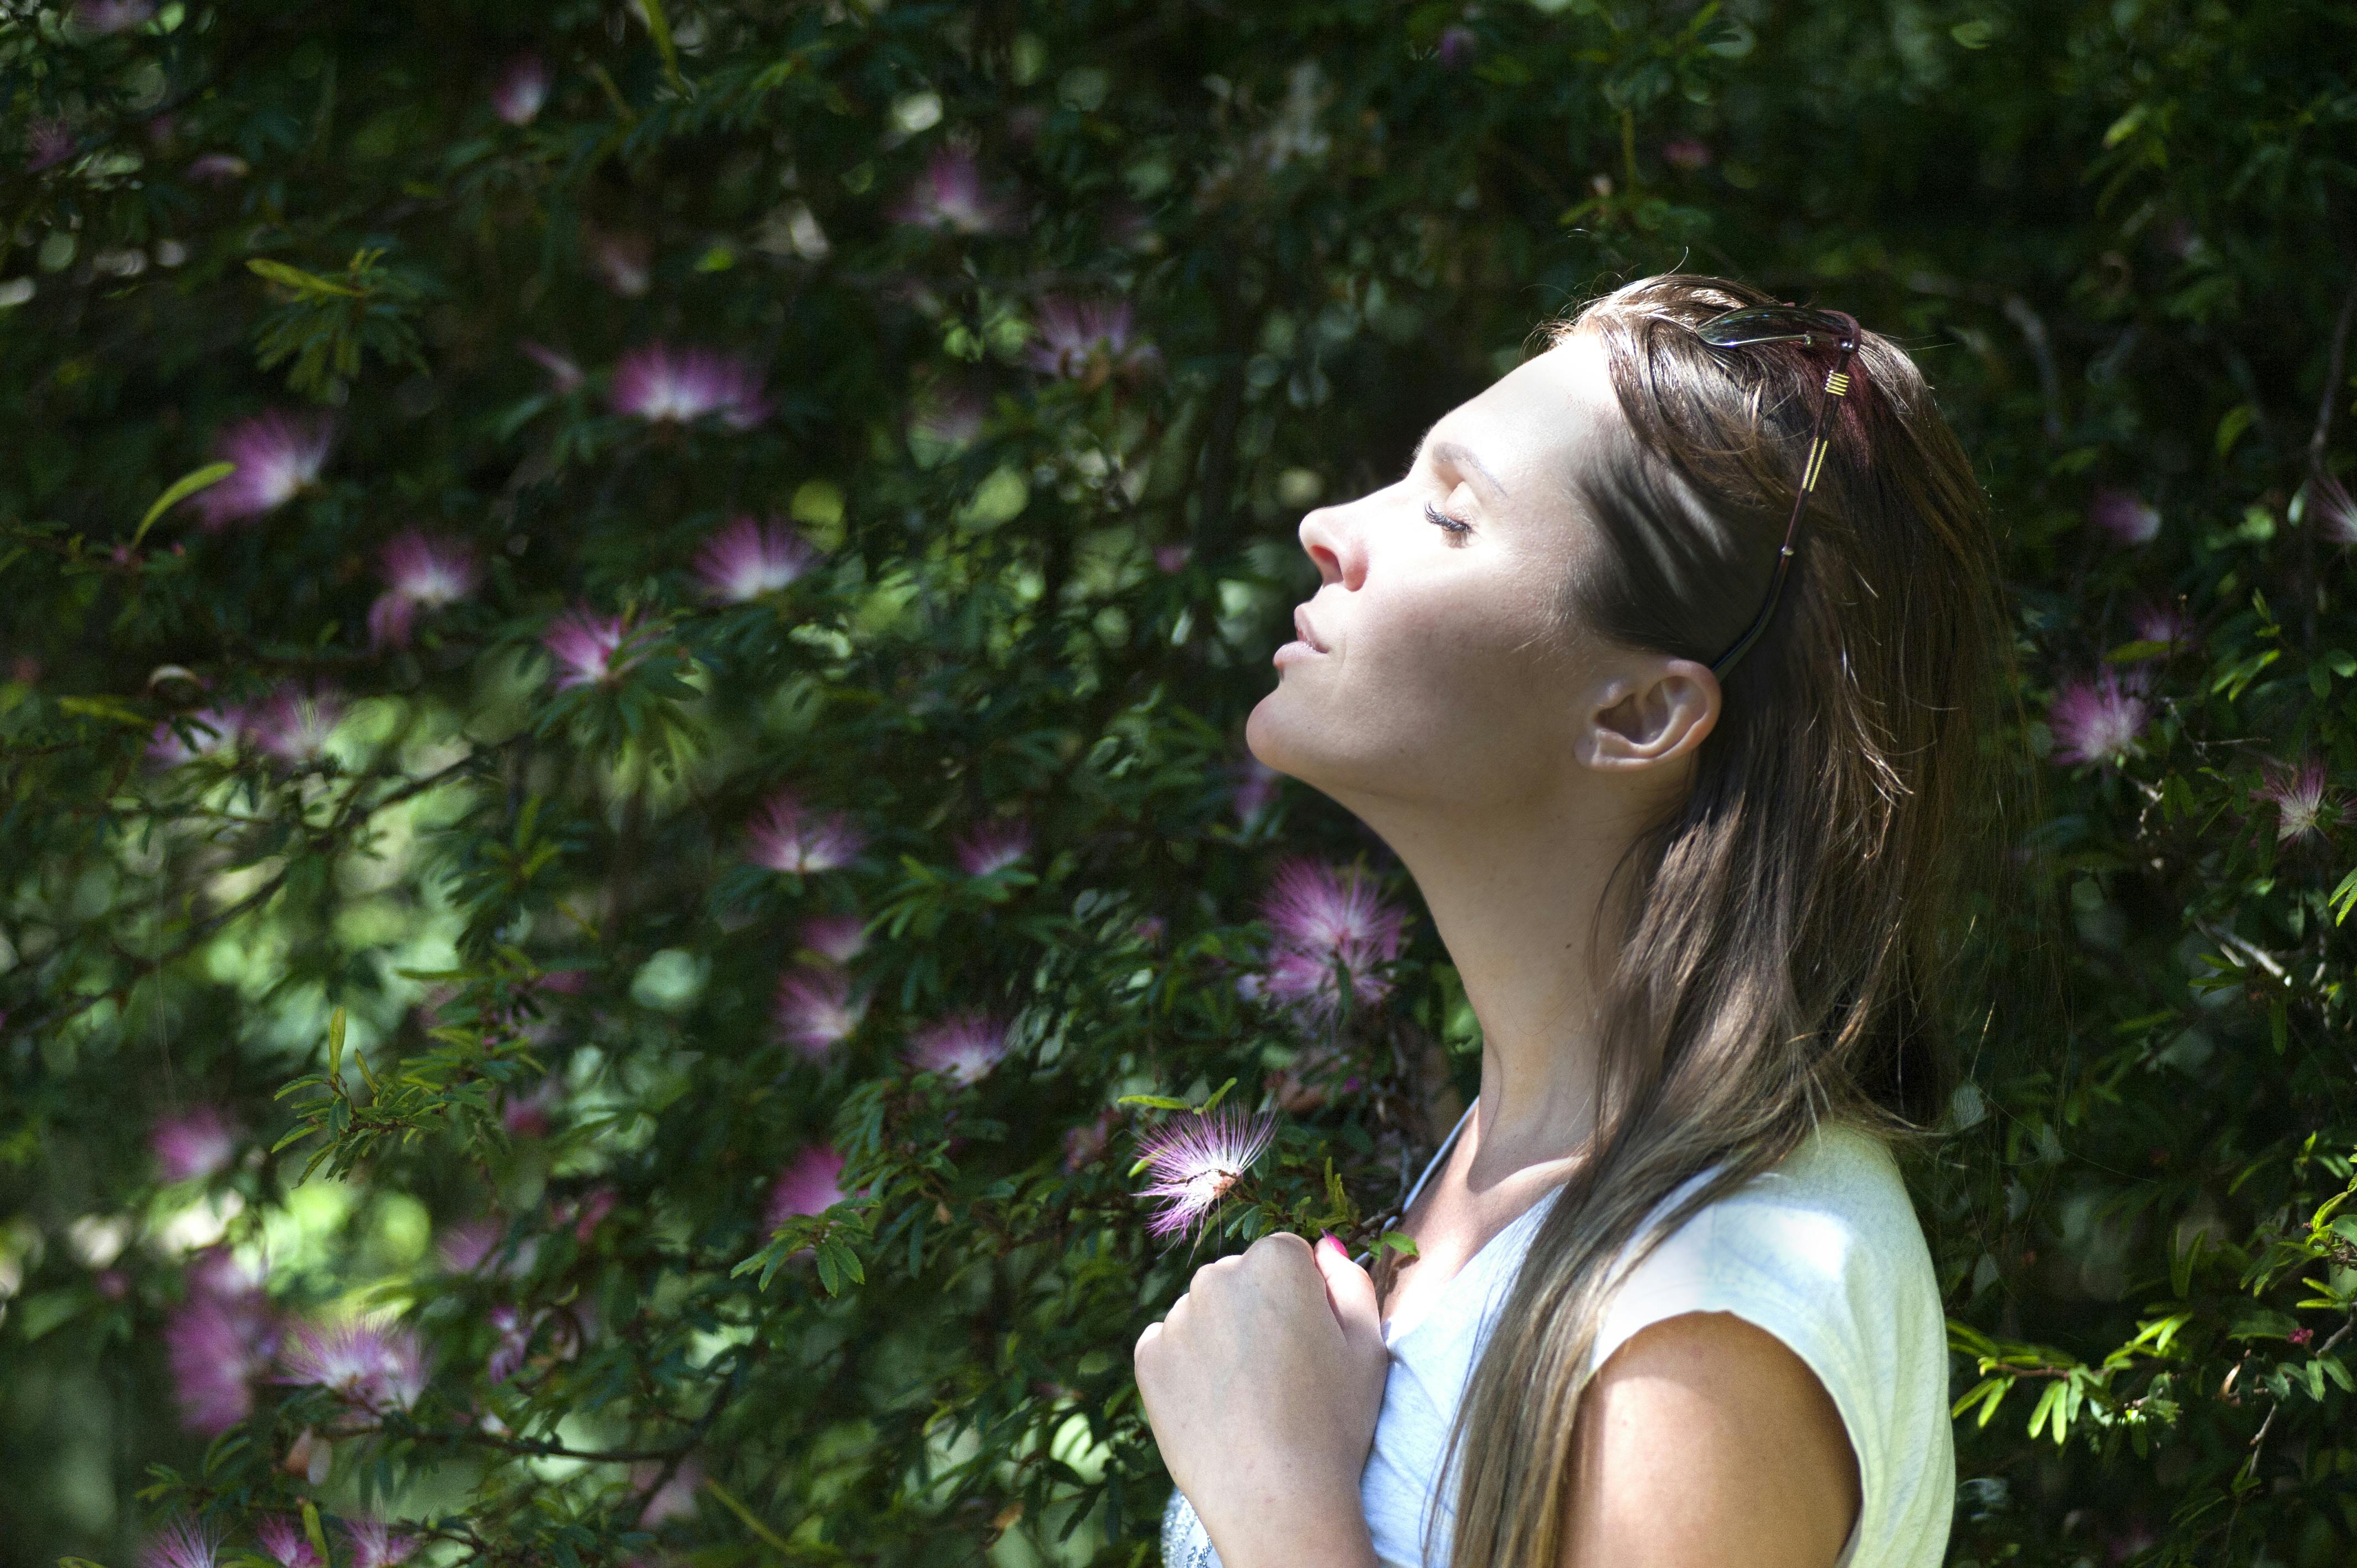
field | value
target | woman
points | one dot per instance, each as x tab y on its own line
1676	719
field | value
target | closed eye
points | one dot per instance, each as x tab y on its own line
1457	528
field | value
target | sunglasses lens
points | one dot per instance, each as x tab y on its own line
1768	324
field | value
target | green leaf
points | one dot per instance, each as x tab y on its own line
104	708
2230	428
1217	1095
1156	1101
659	29
2343	898
1398	1242
301	281
180	489
311	1530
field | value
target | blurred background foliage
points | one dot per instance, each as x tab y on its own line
717	675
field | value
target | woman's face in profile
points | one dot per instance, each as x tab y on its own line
1439	674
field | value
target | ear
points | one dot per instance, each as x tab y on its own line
1655	714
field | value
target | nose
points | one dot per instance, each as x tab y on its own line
1328	540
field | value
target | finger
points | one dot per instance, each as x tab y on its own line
1349	1292
1153	1332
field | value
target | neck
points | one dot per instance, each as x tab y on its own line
1515	892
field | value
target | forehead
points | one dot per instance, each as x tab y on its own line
1536	420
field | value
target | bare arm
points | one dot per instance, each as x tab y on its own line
1704	1442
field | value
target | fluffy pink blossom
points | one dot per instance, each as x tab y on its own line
1084	1145
421	572
465	1246
521	89
515	1331
100	17
217	1342
180	1544
2164	622
282	1538
1456	47
1196	1161
944	419
49	142
217	168
810	1184
838	938
950	195
749	558
1686	152
1172	559
816	1011
657	383
2335	511
376	1365
785	837
1087	341
1328	925
992	845
194	1144
964	1047
375	1545
622	259
527	1115
294	724
563	375
278	456
2305	805
590	649
585	1213
2127	517
676	1499
1256	790
2096	721
211	730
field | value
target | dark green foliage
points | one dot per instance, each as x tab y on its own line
470	945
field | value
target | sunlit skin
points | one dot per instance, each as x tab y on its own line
1509	764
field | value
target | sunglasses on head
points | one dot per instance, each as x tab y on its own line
1786	324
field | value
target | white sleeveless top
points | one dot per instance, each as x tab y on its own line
1824	1251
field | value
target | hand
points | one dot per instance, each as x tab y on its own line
1262	1386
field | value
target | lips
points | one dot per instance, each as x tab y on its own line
1303	630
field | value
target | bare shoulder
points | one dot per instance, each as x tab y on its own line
1705	1440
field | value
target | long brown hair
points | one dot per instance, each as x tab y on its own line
1784	956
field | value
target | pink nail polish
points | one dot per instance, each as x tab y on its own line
1330	1239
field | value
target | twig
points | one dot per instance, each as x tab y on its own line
2041	350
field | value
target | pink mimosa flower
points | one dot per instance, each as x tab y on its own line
945	419
377	1366
2336	512
589	648
811	1184
180	1544
1172	558
1323	917
964	1047
465	1245
196	1142
421	573
2096	721
563	375
278	456
521	89
1196	1161
1456	47
657	383
217	168
621	259
2164	623
816	1011
515	1332
1087	341
2127	517
1256	790
217	1342
949	195
375	1545
587	1212
785	837
2305	806
676	1499
294	724
993	845
50	142
282	1538
100	17
838	938
749	558
1686	152
1084	1145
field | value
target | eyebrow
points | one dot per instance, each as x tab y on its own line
1462	456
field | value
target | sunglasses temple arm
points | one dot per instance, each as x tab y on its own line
1837	387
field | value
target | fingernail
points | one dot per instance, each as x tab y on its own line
1330	1239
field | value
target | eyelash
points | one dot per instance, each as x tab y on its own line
1457	528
